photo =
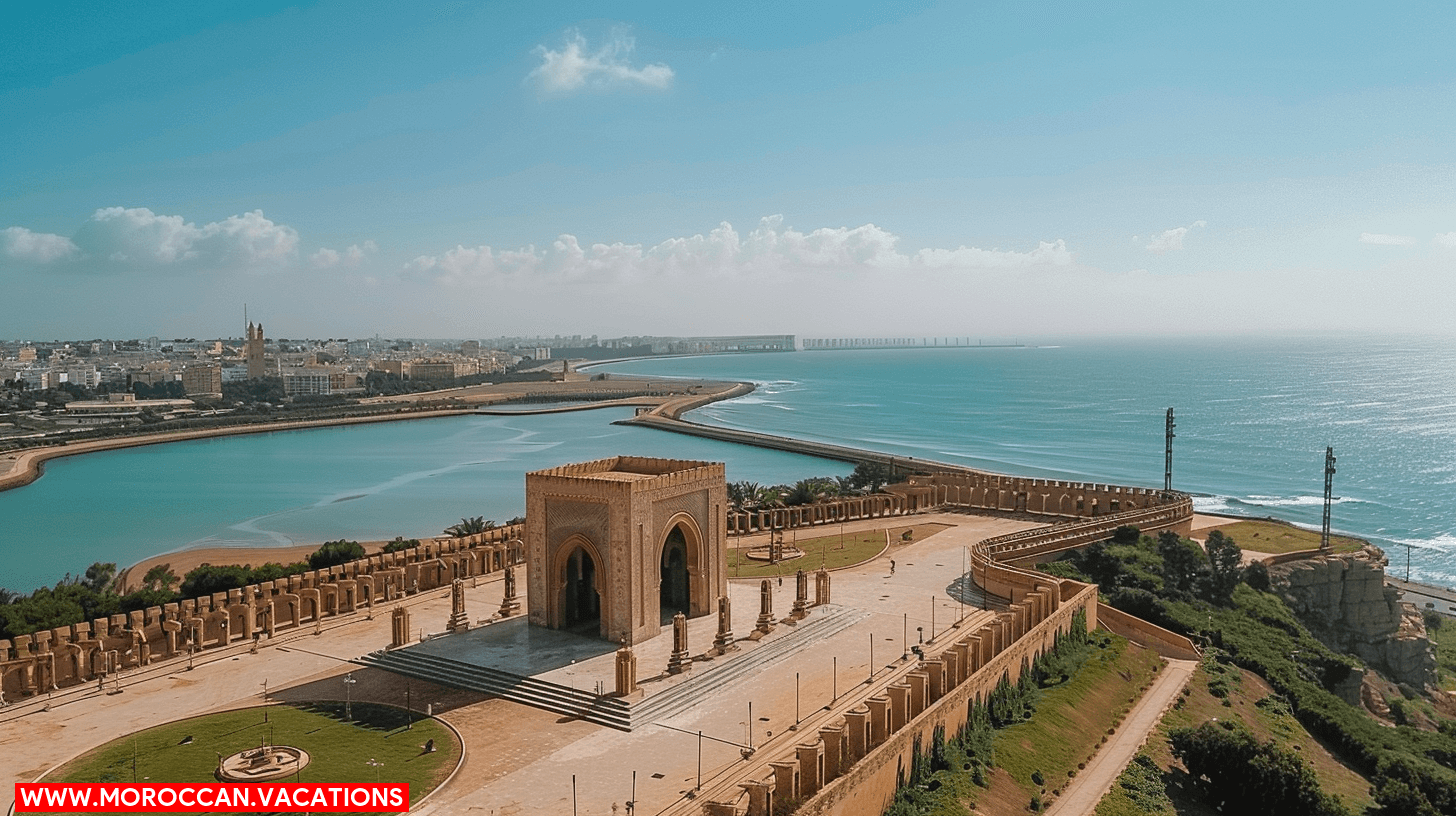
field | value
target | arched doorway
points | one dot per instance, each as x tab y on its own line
675	594
583	608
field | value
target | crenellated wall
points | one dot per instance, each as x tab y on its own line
854	765
85	652
980	491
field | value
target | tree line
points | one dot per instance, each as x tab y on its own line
96	593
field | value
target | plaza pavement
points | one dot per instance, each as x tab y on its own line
520	761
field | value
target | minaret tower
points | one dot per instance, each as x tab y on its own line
253	351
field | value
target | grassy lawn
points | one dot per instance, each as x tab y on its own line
1070	723
339	750
828	551
1274	537
1248	699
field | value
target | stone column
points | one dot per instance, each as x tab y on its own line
821	587
879	720
786	778
399	627
760	798
833	738
679	662
510	604
919	685
811	767
857	723
899	706
459	621
801	596
935	668
765	607
723	642
626	671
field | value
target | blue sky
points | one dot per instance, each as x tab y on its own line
471	169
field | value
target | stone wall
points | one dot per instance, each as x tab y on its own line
1343	599
1139	631
976	491
854	765
87	652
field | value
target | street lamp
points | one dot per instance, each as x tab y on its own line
377	766
349	682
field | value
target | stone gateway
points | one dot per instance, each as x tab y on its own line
618	546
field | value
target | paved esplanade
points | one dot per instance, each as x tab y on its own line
521	760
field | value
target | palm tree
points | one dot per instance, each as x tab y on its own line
470	526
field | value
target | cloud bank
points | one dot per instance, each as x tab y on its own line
121	237
574	67
1386	240
1171	240
350	258
769	250
36	247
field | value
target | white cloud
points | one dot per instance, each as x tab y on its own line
1171	240
1446	239
138	236
770	250
325	258
36	247
1386	240
574	67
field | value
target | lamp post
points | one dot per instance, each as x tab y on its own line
349	682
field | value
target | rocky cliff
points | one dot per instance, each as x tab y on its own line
1344	601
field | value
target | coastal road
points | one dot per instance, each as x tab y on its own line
1088	788
1422	594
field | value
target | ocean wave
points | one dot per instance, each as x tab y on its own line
1295	501
1444	543
1212	504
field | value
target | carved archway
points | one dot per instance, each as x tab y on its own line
682	533
580	602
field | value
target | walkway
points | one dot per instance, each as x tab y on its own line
1088	787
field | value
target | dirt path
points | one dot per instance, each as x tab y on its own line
1088	788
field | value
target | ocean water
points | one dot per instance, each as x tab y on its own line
1253	416
363	482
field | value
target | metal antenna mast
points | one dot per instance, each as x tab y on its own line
1329	489
1168	454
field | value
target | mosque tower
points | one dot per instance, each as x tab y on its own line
253	351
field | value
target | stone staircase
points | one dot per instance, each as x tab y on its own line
609	711
968	592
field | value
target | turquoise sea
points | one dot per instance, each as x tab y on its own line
1254	417
362	482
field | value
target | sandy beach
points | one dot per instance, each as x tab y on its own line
183	561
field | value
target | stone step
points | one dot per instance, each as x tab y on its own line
607	711
686	694
611	711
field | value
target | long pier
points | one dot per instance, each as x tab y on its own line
822	450
855	343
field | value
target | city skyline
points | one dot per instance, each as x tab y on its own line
817	170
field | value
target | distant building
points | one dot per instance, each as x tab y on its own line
119	408
299	382
541	353
202	380
26	354
442	370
